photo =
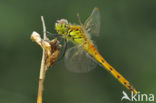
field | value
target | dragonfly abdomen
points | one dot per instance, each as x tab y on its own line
96	55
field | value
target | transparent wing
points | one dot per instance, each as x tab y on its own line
77	60
92	24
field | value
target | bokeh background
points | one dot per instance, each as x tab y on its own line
127	41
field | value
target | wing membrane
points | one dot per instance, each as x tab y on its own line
77	60
92	24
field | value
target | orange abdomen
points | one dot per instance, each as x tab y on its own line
90	48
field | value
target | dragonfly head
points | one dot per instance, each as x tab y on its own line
61	26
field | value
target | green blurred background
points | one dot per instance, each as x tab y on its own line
127	41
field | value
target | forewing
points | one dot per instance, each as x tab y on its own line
92	24
77	60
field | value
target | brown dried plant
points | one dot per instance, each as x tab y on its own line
51	50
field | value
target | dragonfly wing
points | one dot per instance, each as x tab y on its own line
77	60
92	24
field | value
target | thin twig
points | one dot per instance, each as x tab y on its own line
43	67
44	28
51	49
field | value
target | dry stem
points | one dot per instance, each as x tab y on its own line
43	67
50	53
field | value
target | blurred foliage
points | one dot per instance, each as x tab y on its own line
128	42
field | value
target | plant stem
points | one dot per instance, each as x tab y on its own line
43	67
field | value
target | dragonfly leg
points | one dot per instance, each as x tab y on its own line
53	35
64	50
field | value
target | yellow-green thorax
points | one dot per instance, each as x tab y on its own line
74	33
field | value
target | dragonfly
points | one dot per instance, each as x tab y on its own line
83	56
